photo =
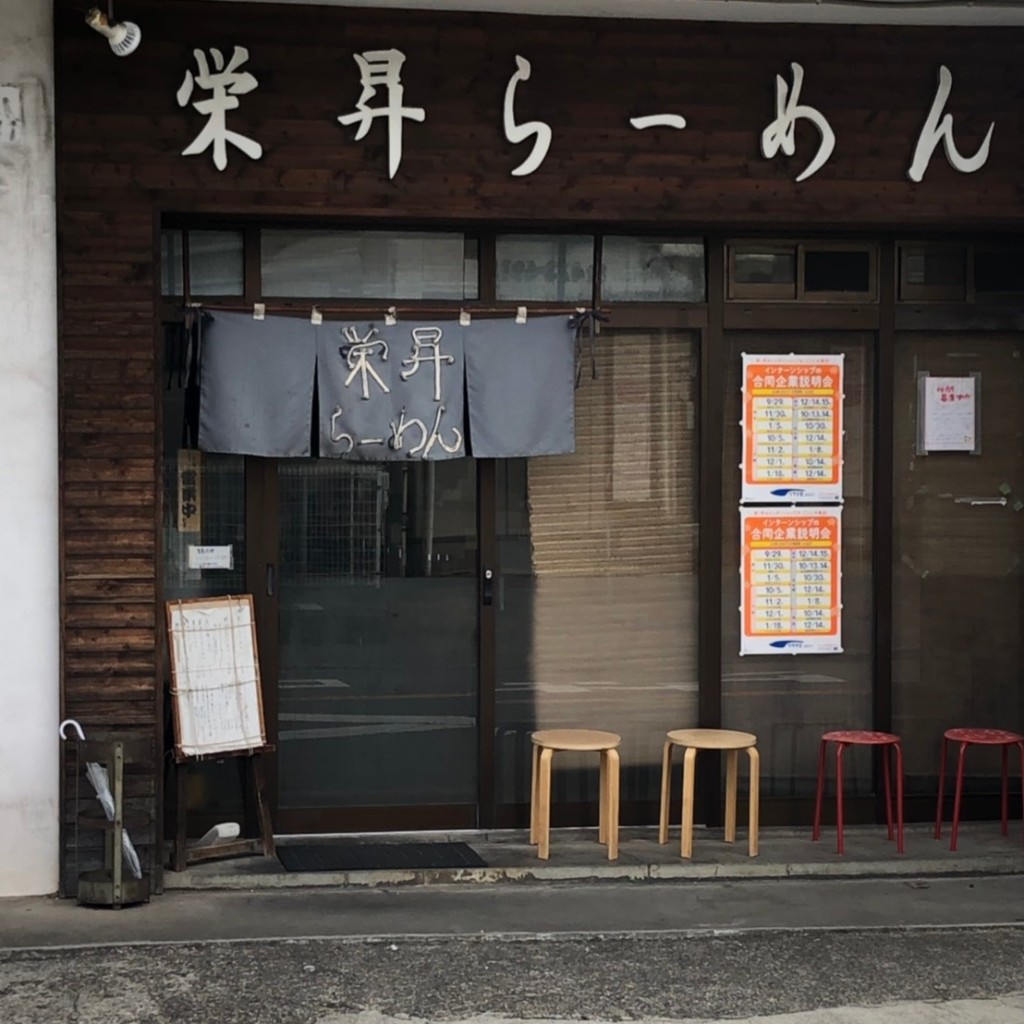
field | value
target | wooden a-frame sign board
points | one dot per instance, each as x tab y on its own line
217	706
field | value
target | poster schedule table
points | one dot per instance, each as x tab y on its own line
792	428
790	581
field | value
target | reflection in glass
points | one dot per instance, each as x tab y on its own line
764	267
545	268
215	263
788	701
958	552
651	270
597	602
369	264
378	613
172	271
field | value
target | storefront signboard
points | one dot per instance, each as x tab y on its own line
790	568
792	429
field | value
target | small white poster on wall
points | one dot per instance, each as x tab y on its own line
949	414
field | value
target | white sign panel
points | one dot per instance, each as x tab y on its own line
211	556
950	414
215	680
792	428
790	571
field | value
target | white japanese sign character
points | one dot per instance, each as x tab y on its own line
357	357
940	128
227	84
383	68
426	348
781	133
658	121
516	133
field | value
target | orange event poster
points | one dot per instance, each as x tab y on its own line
791	576
792	428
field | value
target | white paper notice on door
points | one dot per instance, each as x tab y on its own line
948	414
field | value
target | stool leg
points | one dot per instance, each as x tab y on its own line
899	797
840	846
1006	790
959	793
887	782
534	792
755	798
942	786
666	791
689	771
602	805
820	792
544	805
612	817
731	785
1020	747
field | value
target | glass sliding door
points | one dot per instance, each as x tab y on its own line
958	556
596	618
378	679
789	700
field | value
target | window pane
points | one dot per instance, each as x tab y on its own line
652	270
998	272
215	263
545	268
752	266
171	263
934	268
837	271
369	264
597	589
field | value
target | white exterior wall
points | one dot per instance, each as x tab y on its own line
29	605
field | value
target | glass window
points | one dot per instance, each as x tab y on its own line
652	270
788	701
545	268
172	263
766	266
369	264
215	263
596	605
933	272
998	271
838	270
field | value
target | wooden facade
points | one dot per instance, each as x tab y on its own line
121	132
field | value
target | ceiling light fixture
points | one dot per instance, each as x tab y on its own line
123	36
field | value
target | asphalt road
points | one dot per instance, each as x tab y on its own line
622	977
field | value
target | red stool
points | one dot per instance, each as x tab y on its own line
987	737
860	737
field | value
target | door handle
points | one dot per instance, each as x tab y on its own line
487	587
270	579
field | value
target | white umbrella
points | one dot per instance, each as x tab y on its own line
97	775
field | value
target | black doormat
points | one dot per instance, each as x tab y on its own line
356	856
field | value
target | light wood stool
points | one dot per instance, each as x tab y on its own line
545	743
692	740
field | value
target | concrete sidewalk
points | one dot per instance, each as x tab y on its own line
794	884
577	856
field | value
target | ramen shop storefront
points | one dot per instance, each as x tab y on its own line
725	221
